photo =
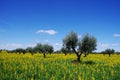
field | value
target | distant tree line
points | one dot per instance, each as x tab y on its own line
39	48
108	51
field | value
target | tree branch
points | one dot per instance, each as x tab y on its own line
75	51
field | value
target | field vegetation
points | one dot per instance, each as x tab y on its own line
58	67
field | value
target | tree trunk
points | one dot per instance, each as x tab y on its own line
85	55
31	53
65	54
44	55
78	55
23	52
78	58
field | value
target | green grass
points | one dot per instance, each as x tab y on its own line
58	67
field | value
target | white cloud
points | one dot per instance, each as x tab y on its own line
11	46
30	45
46	40
37	41
51	32
58	44
115	44
108	45
105	45
116	35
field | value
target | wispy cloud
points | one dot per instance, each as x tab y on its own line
106	45
46	41
103	46
51	32
37	41
116	35
58	44
11	46
30	45
116	44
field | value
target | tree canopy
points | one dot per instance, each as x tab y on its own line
109	51
86	45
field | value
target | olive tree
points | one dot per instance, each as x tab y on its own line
47	49
109	51
38	48
85	45
65	50
50	49
43	48
20	50
30	50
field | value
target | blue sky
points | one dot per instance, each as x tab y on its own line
24	23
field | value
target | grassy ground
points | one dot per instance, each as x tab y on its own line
58	67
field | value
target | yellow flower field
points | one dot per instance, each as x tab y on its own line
58	67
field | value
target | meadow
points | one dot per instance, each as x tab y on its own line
58	67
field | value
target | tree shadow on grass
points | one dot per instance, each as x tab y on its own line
83	62
88	62
75	62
